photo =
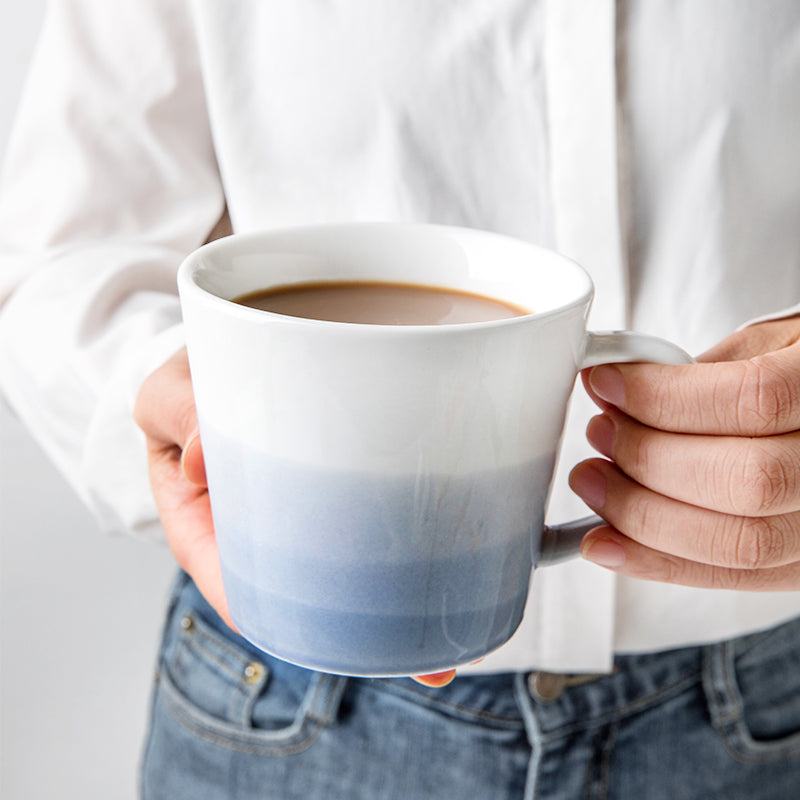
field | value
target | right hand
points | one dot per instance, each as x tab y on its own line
165	411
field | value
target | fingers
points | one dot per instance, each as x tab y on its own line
759	396
705	485
609	548
185	512
735	475
196	552
165	408
165	411
436	679
682	530
754	340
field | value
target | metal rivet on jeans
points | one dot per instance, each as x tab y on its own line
254	672
546	687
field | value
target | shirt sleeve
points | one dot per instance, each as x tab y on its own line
791	311
110	180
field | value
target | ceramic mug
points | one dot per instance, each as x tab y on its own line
379	491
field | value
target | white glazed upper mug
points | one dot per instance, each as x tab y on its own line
379	491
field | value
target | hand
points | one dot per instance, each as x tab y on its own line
165	411
703	485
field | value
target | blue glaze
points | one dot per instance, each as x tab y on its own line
373	575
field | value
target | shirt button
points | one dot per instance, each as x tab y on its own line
546	687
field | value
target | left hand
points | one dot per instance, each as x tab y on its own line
703	483
165	411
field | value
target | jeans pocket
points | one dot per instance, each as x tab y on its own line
227	692
752	686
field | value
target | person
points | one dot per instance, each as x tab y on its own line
654	142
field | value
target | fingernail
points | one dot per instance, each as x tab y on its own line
436	680
590	484
601	433
606	381
604	552
194	440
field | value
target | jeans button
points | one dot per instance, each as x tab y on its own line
546	687
254	672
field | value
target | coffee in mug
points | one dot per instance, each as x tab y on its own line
380	303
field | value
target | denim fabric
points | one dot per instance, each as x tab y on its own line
228	721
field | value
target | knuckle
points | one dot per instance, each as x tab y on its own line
662	569
731	579
143	404
717	412
755	543
640	453
765	401
667	402
165	400
742	580
642	516
761	484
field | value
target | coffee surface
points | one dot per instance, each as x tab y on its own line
380	303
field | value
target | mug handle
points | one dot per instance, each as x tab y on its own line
563	542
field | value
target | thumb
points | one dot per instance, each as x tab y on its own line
755	340
192	461
755	396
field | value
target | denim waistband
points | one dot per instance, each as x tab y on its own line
504	700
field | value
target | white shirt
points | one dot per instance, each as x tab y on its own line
654	141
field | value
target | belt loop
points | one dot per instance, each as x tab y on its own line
324	697
534	733
719	684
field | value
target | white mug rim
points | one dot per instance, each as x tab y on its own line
193	264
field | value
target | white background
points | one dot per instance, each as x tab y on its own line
79	613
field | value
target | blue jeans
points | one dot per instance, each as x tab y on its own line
228	721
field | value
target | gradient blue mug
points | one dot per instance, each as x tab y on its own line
379	491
